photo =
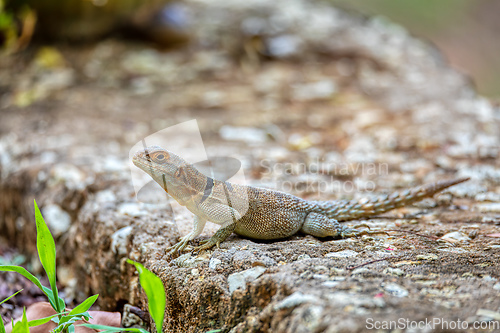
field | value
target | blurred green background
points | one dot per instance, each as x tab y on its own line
466	31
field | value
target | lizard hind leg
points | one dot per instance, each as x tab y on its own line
221	234
319	225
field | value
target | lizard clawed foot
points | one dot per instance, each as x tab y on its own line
178	247
206	244
204	241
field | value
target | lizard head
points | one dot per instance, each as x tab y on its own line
170	171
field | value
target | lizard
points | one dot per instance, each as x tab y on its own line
260	213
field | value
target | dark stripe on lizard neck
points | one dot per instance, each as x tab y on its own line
208	189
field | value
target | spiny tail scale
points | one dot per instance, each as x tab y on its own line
356	209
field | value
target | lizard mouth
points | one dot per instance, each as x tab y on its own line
139	158
143	161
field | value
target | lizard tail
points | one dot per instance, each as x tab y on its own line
355	209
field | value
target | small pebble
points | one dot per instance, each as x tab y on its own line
294	300
457	236
395	290
330	284
489	208
131	209
488	278
119	240
303	257
214	262
58	220
487	196
427	257
72	177
394	271
321	268
342	254
105	196
314	91
361	270
284	46
491	315
239	280
245	134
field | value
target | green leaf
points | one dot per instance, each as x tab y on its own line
32	278
17	292
44	320
86	316
85	305
66	323
25	273
2	327
110	329
50	296
71	318
47	252
153	287
22	325
62	304
214	331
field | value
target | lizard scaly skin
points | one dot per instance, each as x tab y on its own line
262	213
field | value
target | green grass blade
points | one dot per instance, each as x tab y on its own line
44	320
32	278
22	325
153	287
23	272
50	296
46	252
85	305
110	329
5	300
2	327
71	318
62	304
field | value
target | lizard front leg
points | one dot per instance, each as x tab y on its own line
221	235
224	215
198	226
321	226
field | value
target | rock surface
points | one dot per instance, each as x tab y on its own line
348	107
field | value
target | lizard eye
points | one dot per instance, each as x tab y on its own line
160	157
